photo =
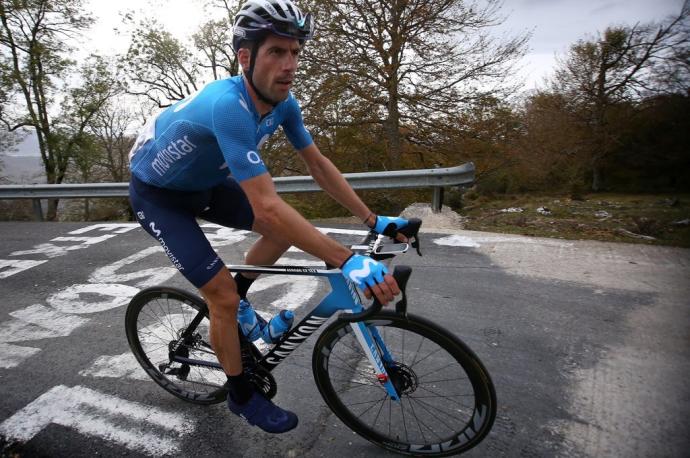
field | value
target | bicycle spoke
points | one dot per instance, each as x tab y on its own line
420	377
437	410
376	419
414	414
426	357
360	384
421	342
445	396
366	402
383	399
402	411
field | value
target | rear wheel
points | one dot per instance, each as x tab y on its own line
157	322
447	400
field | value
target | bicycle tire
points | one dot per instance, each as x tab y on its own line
156	318
427	421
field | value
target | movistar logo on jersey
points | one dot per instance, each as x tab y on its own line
174	151
254	158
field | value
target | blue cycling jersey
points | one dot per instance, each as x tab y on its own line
216	132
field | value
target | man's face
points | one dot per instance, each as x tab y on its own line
275	66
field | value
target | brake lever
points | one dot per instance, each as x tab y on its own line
415	244
411	231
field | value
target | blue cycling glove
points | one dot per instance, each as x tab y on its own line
363	270
388	225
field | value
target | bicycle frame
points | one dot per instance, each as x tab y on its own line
343	296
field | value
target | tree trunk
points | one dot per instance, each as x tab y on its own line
51	215
393	133
596	177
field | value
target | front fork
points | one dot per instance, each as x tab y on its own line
374	348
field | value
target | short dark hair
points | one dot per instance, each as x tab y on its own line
252	44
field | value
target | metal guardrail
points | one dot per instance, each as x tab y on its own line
423	178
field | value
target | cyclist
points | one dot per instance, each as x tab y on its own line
200	158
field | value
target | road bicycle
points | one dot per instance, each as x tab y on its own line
395	378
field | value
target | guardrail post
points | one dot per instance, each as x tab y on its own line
38	211
437	201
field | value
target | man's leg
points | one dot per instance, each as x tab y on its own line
264	252
222	299
169	217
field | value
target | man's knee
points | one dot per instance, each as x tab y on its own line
221	295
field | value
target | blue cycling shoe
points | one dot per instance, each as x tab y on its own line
261	412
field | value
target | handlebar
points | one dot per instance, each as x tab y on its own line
373	245
401	275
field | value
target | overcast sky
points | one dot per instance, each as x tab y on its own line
556	24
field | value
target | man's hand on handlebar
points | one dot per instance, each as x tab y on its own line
388	225
372	277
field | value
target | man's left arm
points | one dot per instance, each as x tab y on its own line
332	181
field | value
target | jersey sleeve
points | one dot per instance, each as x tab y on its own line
235	132
293	125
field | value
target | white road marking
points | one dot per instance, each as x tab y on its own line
51	250
111	295
147	277
39	322
300	288
9	267
50	319
118	228
223	236
474	241
457	240
14	355
332	230
33	323
118	366
147	429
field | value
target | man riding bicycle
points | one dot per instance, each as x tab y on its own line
200	158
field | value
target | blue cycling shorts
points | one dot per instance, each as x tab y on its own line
170	216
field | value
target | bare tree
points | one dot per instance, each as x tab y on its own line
214	41
407	64
161	68
112	132
164	69
671	74
620	65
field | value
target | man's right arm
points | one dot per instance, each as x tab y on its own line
274	217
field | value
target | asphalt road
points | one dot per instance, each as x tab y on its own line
587	344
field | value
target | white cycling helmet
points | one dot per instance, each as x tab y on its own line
257	18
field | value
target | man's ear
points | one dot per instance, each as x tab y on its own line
243	56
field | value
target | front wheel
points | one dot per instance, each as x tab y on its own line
447	400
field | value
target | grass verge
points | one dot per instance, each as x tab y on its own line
641	218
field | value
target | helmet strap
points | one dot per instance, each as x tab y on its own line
250	75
